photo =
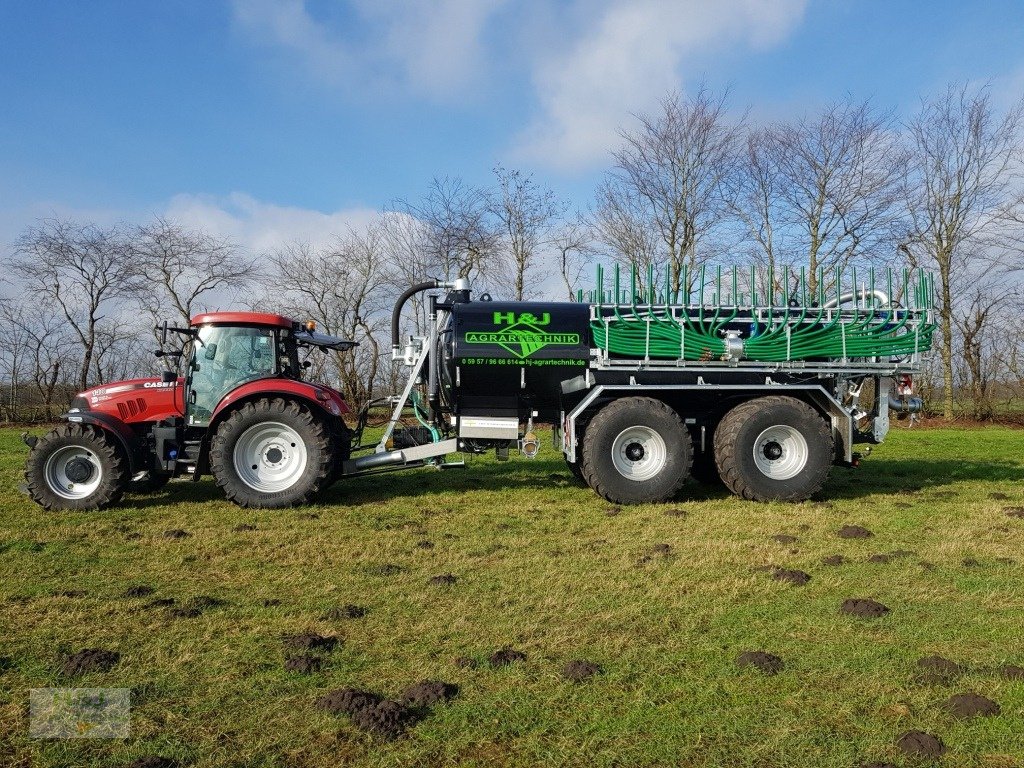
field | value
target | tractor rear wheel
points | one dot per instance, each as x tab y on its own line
774	449
77	466
271	453
635	451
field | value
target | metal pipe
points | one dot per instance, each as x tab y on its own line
396	313
862	294
374	460
432	369
905	404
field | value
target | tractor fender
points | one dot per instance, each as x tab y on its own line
322	399
112	425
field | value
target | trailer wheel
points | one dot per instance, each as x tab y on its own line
76	466
271	453
636	450
576	470
774	448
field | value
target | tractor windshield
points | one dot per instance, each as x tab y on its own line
223	357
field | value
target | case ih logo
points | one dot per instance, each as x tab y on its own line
524	334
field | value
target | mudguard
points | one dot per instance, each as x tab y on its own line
114	426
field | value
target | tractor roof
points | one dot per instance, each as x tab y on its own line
242	318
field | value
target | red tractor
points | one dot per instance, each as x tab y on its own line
241	413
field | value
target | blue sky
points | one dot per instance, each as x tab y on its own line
271	119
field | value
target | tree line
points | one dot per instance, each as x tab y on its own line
690	184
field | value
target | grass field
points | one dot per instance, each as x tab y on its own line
547	568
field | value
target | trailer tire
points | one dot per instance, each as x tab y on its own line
271	453
636	450
576	470
77	466
774	449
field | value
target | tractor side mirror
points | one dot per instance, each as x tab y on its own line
211	351
168	377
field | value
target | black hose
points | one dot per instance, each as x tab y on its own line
396	313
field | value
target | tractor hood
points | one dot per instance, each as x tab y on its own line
134	400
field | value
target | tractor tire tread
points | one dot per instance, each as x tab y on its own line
112	486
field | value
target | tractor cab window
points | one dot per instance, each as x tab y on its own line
223	358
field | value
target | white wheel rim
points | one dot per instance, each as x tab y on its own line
270	457
73	461
780	452
639	453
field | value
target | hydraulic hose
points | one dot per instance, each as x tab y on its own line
396	313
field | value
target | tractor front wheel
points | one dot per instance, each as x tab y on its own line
271	453
76	466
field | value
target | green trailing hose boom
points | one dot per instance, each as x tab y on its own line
731	314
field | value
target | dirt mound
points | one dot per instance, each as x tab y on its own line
202	602
347	611
443	580
160	602
1012	672
506	656
864	609
970	704
72	593
270	602
970	562
676	513
466	662
937	670
880	558
900	553
388	719
426	693
1014	512
384	569
304	664
661	549
613	511
578	670
998	496
920	744
854	532
308	641
425	544
153	761
139	590
833	560
768	663
784	538
176	533
793	577
244	527
89	660
347	701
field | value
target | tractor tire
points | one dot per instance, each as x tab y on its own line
576	470
341	442
774	449
77	466
636	451
271	453
151	483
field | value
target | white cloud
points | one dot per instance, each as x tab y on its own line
631	54
259	226
429	47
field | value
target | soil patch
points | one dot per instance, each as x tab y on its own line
578	670
1017	512
388	719
833	560
153	761
1012	672
935	670
89	660
793	577
920	744
72	593
347	611
443	580
426	693
425	544
270	602
176	533
139	590
202	602
613	511
244	527
768	663
784	538
676	513
900	505
506	656
854	532
970	562
185	613
880	558
998	496
970	704
304	664
864	609
347	701
661	549
384	569
466	662
308	641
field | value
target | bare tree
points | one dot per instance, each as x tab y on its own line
81	272
179	268
622	229
671	175
963	197
823	191
573	245
528	214
14	353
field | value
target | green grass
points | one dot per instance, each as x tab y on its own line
542	568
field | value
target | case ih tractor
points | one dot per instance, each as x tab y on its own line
736	378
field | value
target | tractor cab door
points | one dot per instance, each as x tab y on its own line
224	357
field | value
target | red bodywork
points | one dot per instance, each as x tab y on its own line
325	397
137	400
242	318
